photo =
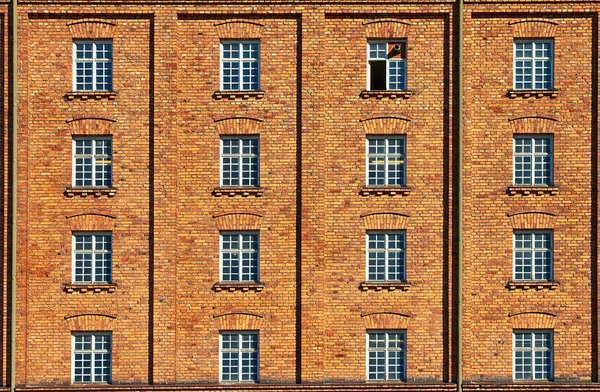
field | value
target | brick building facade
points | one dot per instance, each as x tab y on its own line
294	195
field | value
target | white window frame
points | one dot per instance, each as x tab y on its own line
254	371
104	160
387	251
386	350
253	175
94	253
533	155
94	61
387	156
548	264
547	84
533	351
387	60
240	253
255	61
93	352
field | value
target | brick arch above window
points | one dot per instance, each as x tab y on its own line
533	320
385	125
386	28
91	222
239	126
533	28
238	321
529	220
385	320
533	124
385	221
91	126
238	221
91	322
92	29
239	29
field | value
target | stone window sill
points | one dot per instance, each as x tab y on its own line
389	286
532	93
238	286
218	95
91	287
532	285
532	190
385	190
90	95
241	191
85	192
391	94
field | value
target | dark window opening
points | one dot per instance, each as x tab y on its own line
378	75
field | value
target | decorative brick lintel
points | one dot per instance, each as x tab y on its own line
218	95
350	387
85	192
238	191
89	95
532	285
94	288
390	191
389	286
532	93
531	387
243	286
532	190
391	94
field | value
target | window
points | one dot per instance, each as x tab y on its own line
92	162
533	255
240	65
533	160
533	355
386	260
386	161
92	357
239	161
386	356
386	65
534	64
92	66
239	257
92	258
239	356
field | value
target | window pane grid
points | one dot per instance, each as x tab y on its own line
92	358
386	162
386	356
240	161
387	69
533	160
239	357
92	162
533	254
92	254
240	66
533	355
386	256
93	66
239	257
533	65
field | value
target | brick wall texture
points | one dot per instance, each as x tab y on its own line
312	116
